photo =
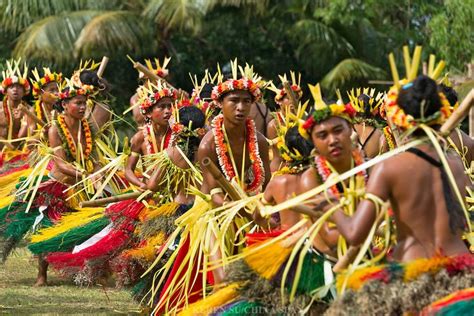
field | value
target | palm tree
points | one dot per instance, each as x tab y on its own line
56	31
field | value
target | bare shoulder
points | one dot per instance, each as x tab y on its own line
309	179
137	138
262	140
207	148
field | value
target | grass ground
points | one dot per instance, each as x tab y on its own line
19	297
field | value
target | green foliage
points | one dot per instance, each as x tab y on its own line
452	32
342	42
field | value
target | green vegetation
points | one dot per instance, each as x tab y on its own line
19	297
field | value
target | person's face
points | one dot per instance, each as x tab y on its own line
160	113
76	107
49	93
332	139
15	92
286	104
236	106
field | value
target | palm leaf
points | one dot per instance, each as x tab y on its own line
318	45
176	14
52	39
114	32
349	72
17	15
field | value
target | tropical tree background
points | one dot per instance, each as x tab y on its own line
340	43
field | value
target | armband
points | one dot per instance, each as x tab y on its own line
216	191
134	154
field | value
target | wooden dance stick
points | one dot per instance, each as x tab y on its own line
102	66
458	115
111	199
234	195
223	183
24	110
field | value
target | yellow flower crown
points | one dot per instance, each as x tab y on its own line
13	75
394	112
76	79
39	82
68	89
323	111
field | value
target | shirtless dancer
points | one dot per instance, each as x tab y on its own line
430	221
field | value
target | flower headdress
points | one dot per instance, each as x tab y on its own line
290	120
295	85
180	130
323	111
39	82
394	112
154	92
76	79
208	107
13	75
159	69
248	81
68	89
367	111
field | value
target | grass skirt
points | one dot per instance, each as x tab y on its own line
254	284
396	288
48	206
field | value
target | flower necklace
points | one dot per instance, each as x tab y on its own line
223	155
150	141
324	169
387	132
71	144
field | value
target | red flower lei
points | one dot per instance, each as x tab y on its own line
223	153
149	142
70	141
324	171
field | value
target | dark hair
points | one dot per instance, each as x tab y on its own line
90	77
206	91
420	98
449	92
364	100
192	117
294	141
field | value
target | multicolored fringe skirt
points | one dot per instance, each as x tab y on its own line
48	206
260	283
89	260
399	288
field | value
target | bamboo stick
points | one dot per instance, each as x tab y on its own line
290	93
102	66
111	199
458	115
24	110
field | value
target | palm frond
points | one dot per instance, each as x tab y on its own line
114	32
318	45
17	15
257	6
185	15
351	71
52	39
